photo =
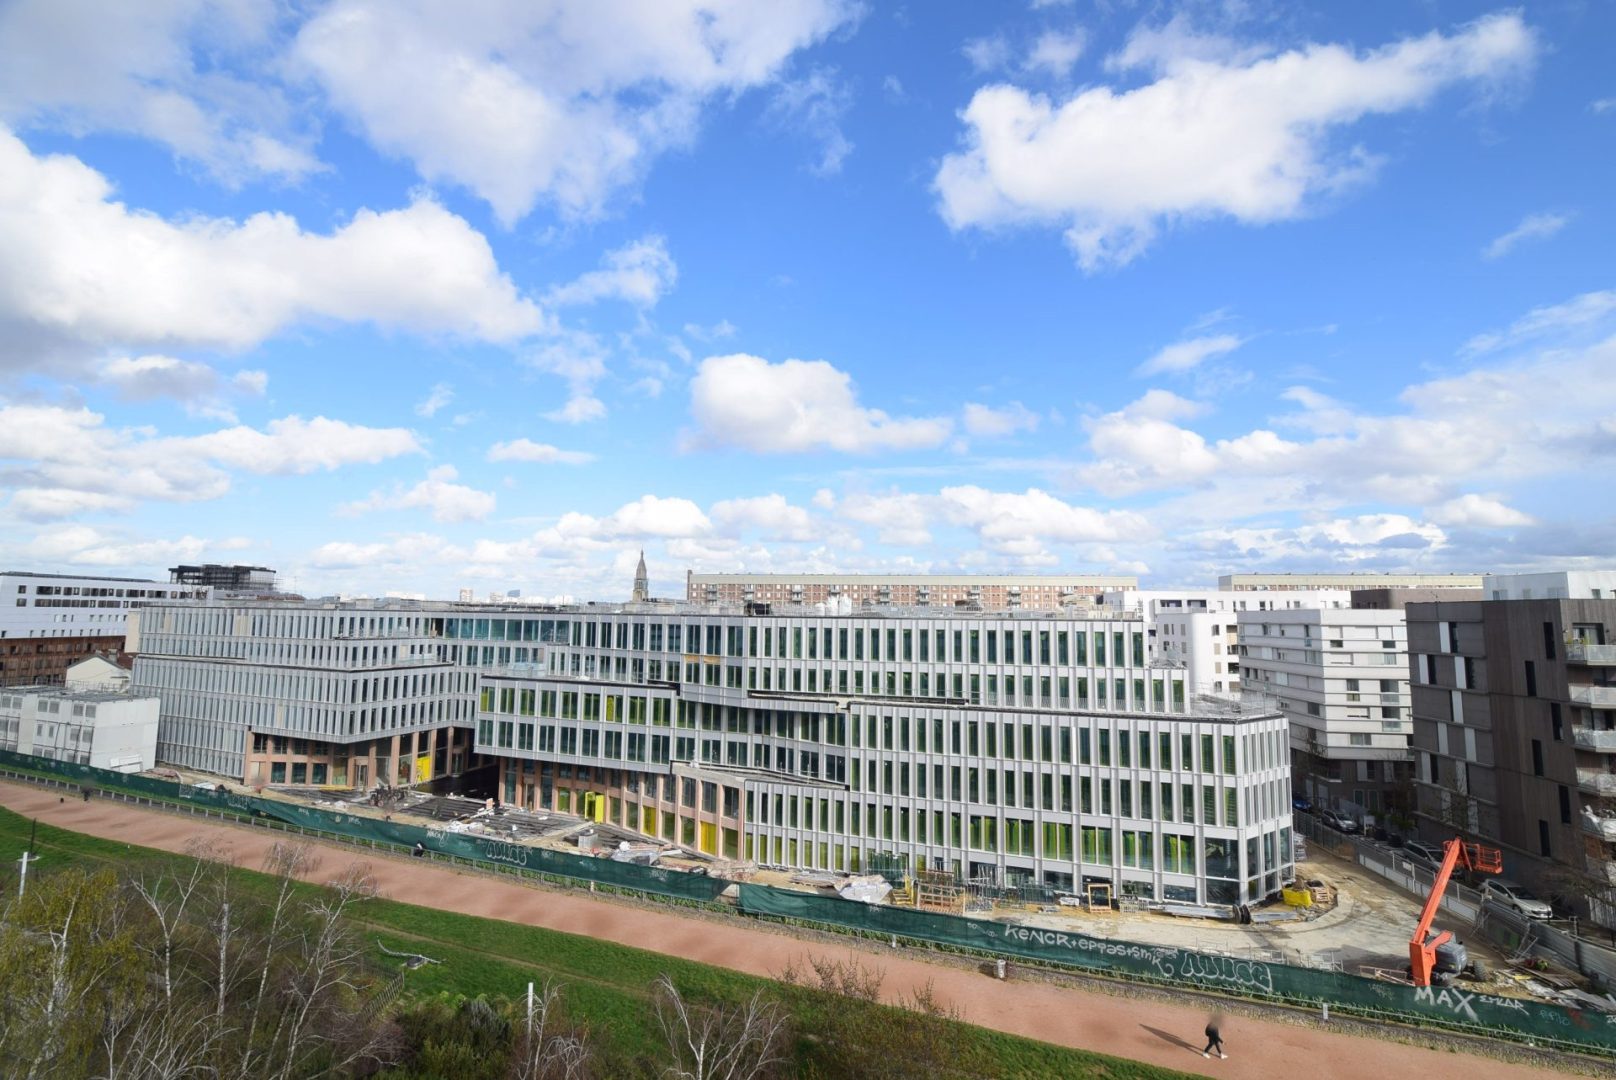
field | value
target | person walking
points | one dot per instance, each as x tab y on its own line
1214	1039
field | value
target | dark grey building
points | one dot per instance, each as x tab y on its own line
1514	709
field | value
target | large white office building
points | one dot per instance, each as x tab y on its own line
49	621
280	692
1040	749
1020	748
1341	679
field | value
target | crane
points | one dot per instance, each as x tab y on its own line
1422	953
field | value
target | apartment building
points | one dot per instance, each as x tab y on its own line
1514	703
1350	582
1040	749
107	730
1340	676
1196	629
49	621
986	592
290	692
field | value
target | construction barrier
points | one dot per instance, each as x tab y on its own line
1454	1006
470	846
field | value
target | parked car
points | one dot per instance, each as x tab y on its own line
1423	854
1517	897
1302	803
1340	822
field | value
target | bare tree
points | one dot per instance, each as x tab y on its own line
746	1042
287	862
325	978
547	1049
167	895
855	1034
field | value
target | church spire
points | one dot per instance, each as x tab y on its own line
642	580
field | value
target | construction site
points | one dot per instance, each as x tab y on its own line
1338	917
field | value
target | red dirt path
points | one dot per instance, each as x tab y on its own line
1144	1030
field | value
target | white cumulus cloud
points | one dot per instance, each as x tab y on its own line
794	406
438	493
1532	227
1056	52
538	453
640	273
71	453
82	267
1245	137
441	395
772	516
1184	355
1483	511
987	422
561	101
82	65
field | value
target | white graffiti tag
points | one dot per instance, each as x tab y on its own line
1455	1000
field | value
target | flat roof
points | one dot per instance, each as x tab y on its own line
915	579
82	577
473	609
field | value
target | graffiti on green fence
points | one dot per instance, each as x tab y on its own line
1196	970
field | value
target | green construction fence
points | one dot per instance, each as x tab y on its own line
474	847
1454	1006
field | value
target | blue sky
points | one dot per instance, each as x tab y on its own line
415	297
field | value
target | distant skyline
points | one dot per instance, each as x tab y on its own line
411	297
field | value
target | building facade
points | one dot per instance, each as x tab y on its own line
1340	676
976	591
248	579
1016	749
1288	582
347	694
1028	748
107	731
50	621
1196	629
1514	704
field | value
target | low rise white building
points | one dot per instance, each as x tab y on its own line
1558	585
98	673
107	731
1196	629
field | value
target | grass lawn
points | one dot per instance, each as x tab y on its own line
607	985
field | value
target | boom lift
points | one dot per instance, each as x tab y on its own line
1422	953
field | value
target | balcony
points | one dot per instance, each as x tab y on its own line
1590	739
1600	697
1602	869
1602	827
1596	782
1580	652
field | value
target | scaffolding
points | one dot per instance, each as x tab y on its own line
936	890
